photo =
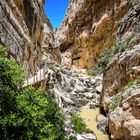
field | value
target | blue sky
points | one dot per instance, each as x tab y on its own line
55	10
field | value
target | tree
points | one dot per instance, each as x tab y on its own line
26	115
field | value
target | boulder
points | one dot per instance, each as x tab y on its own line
102	123
86	136
99	89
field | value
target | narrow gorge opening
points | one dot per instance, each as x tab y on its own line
56	10
89	110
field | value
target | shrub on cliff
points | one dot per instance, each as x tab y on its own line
103	61
119	47
26	115
106	55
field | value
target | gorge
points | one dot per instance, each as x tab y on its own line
90	63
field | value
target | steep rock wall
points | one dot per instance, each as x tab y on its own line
21	29
121	94
88	27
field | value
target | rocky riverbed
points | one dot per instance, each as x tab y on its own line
73	90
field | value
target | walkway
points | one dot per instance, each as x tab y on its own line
37	78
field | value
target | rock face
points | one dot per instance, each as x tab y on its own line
89	26
124	121
48	41
21	29
121	96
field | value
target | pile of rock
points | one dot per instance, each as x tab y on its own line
74	89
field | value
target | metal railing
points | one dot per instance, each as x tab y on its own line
37	77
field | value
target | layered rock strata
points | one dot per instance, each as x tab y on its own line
21	29
121	96
88	27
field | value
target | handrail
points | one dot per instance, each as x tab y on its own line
37	77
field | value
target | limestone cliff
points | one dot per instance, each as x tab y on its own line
21	29
88	27
121	94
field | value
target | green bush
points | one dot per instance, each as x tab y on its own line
72	138
120	47
26	115
52	67
79	124
138	80
116	102
96	70
3	51
103	61
130	84
117	99
90	72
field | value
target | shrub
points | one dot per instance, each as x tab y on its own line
52	67
120	47
96	70
3	51
116	102
138	80
103	61
72	138
79	124
90	72
26	115
130	84
117	99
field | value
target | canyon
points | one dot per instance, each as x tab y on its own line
89	27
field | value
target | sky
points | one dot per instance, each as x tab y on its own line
55	10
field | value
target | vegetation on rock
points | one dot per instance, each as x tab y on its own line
117	99
116	102
119	47
106	55
103	61
26	115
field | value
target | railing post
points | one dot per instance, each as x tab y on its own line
34	72
27	78
40	72
44	71
34	78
